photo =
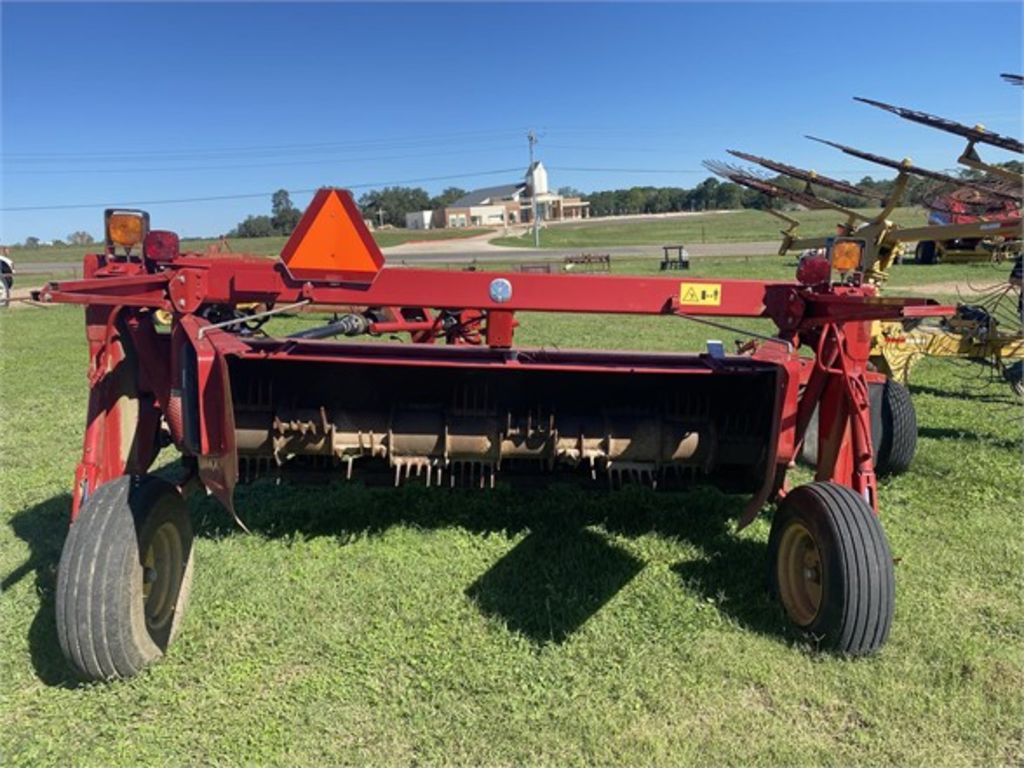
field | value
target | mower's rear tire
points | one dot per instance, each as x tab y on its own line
1014	375
124	577
831	569
925	253
893	430
896	441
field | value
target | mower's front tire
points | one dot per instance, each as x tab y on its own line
124	577
830	567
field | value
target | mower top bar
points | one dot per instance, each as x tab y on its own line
332	260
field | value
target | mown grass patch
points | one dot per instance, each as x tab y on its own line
411	625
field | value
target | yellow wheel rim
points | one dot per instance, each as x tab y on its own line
161	575
799	574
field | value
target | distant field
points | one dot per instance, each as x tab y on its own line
714	227
72	254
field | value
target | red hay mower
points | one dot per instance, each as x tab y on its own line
460	406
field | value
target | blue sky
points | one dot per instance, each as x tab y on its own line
122	103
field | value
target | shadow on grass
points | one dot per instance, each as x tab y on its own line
983	391
945	433
558	576
552	581
43	528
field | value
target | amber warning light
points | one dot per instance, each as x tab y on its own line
331	242
846	254
125	227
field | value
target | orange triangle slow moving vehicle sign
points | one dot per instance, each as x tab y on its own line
331	243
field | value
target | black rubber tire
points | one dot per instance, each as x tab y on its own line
858	594
925	253
893	430
1014	375
896	442
102	625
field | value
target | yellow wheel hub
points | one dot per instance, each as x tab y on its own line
800	574
162	566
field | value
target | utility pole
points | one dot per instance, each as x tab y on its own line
380	217
531	137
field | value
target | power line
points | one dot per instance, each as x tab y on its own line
120	155
355	145
248	195
248	166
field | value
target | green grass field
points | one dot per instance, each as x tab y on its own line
718	227
420	626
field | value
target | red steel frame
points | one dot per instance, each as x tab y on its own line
135	371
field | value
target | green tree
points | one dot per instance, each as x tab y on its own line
729	196
254	226
446	198
31	242
80	238
390	204
284	215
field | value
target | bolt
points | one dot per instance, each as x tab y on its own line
181	278
181	302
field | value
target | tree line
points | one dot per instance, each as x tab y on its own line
389	205
78	237
712	194
384	207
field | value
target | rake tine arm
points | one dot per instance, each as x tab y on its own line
974	134
905	166
812	177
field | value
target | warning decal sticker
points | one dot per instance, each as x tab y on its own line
700	294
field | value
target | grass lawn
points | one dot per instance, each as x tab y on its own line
560	627
717	227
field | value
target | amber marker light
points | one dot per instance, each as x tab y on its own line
846	255
126	228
